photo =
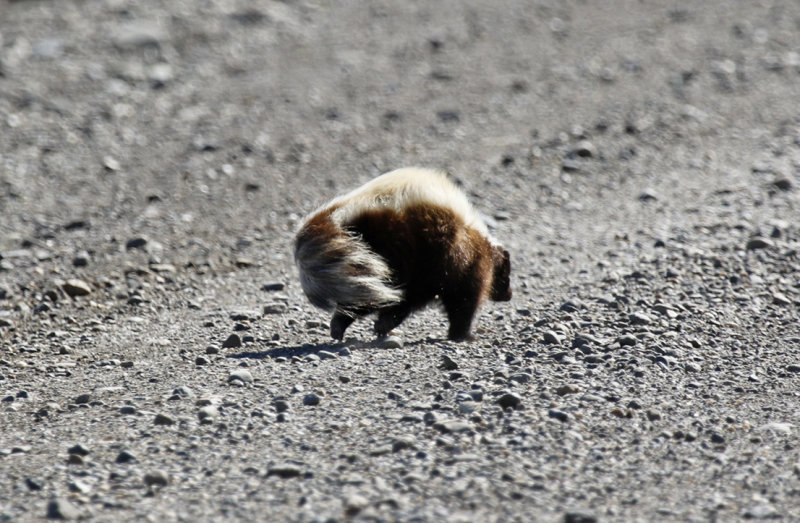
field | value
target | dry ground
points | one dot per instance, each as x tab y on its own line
639	159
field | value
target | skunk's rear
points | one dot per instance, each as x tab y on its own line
338	270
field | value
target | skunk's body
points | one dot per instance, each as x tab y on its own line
394	245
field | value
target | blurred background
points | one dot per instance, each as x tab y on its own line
224	121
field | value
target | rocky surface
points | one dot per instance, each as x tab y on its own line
641	161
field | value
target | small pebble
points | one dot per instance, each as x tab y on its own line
653	415
761	511
569	165
691	367
648	195
563	390
448	363
783	183
79	487
160	74
354	503
403	442
391	342
80	260
156	478
135	243
584	149
243	262
509	400
233	341
163	268
311	399
452	426
82	399
244	315
75	459
381	450
579	517
207	414
572	305
60	508
640	318
164	420
183	391
520	377
412	418
125	457
467	407
758	242
111	163
78	449
777	427
240	375
33	484
75	287
778	298
284	471
430	418
274	308
552	337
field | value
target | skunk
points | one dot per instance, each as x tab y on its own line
395	244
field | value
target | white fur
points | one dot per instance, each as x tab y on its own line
403	188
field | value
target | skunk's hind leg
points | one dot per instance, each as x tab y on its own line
339	323
343	318
391	317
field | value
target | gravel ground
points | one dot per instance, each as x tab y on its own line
640	160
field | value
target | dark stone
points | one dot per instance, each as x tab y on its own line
758	242
284	471
449	116
448	363
33	484
125	457
78	449
233	341
136	243
509	400
577	517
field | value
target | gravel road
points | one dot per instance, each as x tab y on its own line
639	159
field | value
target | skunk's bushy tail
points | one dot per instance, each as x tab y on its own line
339	271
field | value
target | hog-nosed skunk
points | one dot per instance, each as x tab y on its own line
395	244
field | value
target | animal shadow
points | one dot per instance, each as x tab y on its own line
301	351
